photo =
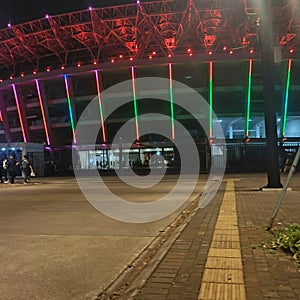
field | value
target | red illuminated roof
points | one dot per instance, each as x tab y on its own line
167	27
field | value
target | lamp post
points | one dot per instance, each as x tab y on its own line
268	70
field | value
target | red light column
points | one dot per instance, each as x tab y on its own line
44	111
100	106
21	113
5	118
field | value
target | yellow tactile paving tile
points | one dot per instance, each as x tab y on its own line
233	231
227	212
217	291
224	263
226	237
226	244
223	274
228	217
224	252
226	225
227	209
229	220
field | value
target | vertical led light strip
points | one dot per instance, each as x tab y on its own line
286	96
43	111
249	97
171	100
210	100
1	118
70	108
135	104
19	113
100	106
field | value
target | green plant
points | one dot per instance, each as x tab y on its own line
288	240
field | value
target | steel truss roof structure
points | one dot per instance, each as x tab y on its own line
167	27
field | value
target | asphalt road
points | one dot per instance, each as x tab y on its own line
55	245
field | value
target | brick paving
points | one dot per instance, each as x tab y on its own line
267	274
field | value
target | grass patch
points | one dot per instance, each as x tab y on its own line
289	241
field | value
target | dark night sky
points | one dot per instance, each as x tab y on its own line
19	11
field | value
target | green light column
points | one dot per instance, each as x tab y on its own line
71	108
135	104
286	102
249	97
171	100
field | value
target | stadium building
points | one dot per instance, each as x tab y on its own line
53	67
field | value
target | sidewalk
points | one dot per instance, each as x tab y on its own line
220	252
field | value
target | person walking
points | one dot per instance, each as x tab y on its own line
3	169
26	168
12	168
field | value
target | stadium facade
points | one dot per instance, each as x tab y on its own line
52	68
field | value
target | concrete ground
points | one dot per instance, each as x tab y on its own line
55	245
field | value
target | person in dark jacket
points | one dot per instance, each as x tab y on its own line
26	168
13	167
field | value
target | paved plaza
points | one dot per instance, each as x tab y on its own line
55	245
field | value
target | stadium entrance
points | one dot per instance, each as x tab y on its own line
108	157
